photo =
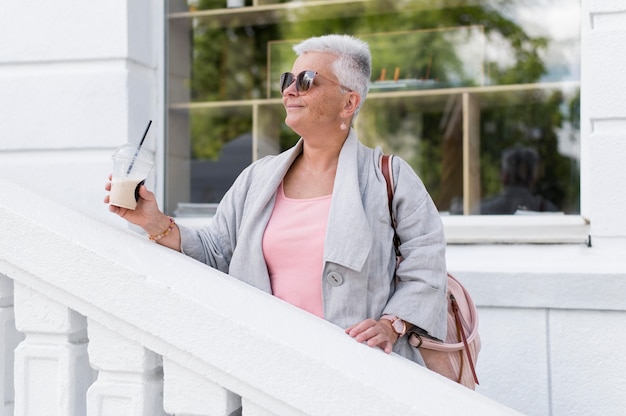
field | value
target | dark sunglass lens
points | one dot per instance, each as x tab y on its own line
305	80
286	80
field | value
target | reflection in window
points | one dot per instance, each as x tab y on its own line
454	88
519	173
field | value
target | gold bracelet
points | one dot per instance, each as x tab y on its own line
164	233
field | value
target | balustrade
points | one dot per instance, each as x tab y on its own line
101	330
9	338
51	363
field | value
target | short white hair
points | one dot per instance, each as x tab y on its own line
353	68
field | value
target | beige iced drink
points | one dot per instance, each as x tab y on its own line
123	193
131	165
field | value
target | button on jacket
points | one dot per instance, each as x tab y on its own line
359	259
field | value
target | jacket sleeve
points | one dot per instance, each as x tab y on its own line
238	215
421	277
214	243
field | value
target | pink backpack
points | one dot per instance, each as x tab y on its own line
454	358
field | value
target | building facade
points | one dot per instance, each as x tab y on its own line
78	80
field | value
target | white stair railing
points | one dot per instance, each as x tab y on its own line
110	324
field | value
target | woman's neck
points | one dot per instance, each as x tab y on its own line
322	153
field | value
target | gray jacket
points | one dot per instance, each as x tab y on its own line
359	258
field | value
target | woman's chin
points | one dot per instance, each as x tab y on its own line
292	124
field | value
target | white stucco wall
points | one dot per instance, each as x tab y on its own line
603	115
77	79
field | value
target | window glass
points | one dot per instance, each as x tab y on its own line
480	97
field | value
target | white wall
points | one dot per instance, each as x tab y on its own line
77	79
551	324
603	118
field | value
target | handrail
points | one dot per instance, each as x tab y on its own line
264	350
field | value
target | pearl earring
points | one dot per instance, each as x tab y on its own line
343	126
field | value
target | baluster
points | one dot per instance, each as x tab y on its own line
187	393
130	378
9	339
252	409
52	370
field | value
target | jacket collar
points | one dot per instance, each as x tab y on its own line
348	239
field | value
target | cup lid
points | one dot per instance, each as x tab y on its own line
130	150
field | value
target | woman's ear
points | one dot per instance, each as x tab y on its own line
353	99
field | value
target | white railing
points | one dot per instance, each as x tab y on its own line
103	322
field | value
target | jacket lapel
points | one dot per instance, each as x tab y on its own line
248	263
348	237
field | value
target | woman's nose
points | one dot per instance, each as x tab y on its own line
290	89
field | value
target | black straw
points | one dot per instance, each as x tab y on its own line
132	162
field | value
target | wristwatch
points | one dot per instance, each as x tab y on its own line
397	324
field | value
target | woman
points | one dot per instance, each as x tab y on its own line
311	225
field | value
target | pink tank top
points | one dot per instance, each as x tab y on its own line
293	246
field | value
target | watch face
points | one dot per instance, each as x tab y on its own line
399	326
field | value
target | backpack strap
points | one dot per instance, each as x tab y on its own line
386	166
460	331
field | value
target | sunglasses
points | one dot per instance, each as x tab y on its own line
304	81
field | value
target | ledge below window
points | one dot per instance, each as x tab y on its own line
516	229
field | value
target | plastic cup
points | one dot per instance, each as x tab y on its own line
131	165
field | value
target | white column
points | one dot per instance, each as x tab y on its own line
252	409
187	393
9	338
52	371
130	378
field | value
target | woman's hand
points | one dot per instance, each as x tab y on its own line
374	333
147	214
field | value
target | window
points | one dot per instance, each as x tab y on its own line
481	97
